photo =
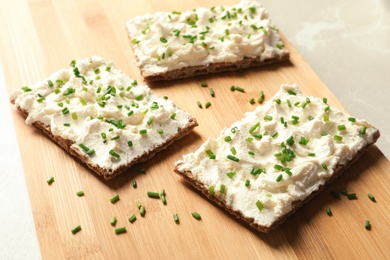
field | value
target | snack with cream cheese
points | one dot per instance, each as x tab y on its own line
171	45
268	164
102	116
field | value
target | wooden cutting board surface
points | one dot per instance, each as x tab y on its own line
41	36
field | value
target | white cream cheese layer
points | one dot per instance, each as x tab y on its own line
102	109
166	41
277	154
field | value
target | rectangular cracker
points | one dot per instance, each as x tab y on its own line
268	164
172	45
101	116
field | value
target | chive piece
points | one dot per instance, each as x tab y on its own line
231	174
351	119
113	221
133	218
66	124
261	98
160	131
143	131
291	92
203	84
113	153
278	101
141	170
50	83
233	150
268	118
303	141
26	89
134	184
76	229
259	205
222	189
367	225
278	167
254	127
325	100
338	138
233	158
115	138
310	118
65	111
114	199
227	138
80	193
341	127
311	154
139	97
274	135
351	196
211	190
344	192
50	180
232	88
163	40
199	104
240	89
173	116
196	215
212	93
176	218
252	101
120	230
251	153
247	183
329	211
335	194
324	167
290	141
371	197
207	105
130	143
363	130
152	194
324	134
211	154
163	199
150	121
279	178
142	211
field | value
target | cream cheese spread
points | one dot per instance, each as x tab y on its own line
107	115
166	41
280	153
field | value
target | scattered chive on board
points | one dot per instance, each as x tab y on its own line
196	215
120	230
80	193
114	199
50	180
76	229
132	218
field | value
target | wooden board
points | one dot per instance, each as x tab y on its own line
41	36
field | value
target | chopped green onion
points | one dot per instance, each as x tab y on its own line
252	101
150	121
324	167
80	193
176	218
341	127
163	40
50	180
371	197
199	104
335	194
139	205
233	150
227	138
163	199
338	138
139	97
207	105
279	178
76	229
329	211
303	140
261	98
254	127
160	131
26	89
290	141
142	211
278	167
291	92
115	198
211	154
132	218
120	230
173	116
363	130
113	153
65	111
351	119
247	183
50	83
274	135
74	115
113	221
259	205
143	131
249	139
344	192
278	101
203	84
240	89
222	189
66	124
130	143
310	118
233	158
251	153
141	170
231	174
134	184
268	118
211	190
311	154
351	196
152	194
196	215
212	93
367	225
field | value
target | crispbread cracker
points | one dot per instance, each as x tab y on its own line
101	116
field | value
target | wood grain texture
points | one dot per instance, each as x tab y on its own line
41	36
